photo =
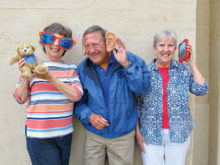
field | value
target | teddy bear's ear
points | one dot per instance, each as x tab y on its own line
33	47
18	47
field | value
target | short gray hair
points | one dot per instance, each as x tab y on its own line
59	29
95	28
165	33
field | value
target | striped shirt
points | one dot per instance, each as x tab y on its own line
49	112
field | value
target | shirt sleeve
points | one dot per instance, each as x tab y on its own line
139	100
137	75
15	94
75	83
198	89
82	111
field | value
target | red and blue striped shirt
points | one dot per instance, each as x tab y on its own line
49	112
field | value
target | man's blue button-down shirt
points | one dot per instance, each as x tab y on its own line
105	77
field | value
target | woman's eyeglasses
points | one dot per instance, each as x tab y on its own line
48	38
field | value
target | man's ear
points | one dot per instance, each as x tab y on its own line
110	41
83	48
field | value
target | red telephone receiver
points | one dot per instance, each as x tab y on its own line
183	53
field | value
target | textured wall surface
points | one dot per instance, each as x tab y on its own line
200	104
134	21
214	96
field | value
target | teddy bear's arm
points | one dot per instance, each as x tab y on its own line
39	62
13	60
40	68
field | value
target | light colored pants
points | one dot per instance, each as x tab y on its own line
119	150
167	154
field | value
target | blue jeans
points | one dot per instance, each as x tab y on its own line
53	151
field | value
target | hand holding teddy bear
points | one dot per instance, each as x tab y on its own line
30	62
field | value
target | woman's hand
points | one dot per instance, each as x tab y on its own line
21	63
197	76
140	140
190	61
47	76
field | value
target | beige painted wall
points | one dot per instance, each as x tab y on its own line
214	96
201	105
135	21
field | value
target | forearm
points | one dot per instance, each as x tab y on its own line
22	90
83	112
137	129
197	76
70	92
140	138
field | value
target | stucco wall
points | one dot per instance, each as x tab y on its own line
200	104
214	96
135	21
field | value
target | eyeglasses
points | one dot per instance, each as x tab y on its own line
48	38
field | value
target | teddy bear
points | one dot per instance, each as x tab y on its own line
32	62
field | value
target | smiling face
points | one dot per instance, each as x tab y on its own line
164	51
95	48
54	52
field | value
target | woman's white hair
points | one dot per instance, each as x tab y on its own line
165	33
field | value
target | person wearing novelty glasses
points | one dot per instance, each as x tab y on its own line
108	107
50	98
165	122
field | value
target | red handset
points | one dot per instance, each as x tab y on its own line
183	53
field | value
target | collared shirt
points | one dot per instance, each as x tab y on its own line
124	84
104	77
150	107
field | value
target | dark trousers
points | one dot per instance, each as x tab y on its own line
53	151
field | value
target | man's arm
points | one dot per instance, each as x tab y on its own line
86	115
135	69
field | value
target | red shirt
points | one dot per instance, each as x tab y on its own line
165	78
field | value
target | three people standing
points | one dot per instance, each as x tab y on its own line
108	111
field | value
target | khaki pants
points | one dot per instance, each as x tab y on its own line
120	151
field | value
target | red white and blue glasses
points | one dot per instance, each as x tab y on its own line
47	38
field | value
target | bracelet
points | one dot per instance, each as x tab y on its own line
137	130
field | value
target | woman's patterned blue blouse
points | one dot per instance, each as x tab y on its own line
150	106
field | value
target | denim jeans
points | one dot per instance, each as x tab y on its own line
53	151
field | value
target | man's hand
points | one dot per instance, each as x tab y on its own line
98	121
121	55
